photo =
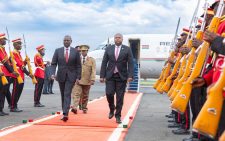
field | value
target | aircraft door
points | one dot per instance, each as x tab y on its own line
135	48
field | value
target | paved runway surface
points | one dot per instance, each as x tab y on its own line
149	124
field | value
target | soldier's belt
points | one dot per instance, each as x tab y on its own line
40	68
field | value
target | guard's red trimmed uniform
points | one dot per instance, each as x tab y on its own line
7	69
17	88
219	60
4	59
40	67
19	62
39	74
214	74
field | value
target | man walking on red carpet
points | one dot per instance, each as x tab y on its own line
116	70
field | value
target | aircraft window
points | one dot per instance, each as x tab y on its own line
168	43
162	43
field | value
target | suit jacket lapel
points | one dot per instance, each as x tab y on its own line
63	54
113	50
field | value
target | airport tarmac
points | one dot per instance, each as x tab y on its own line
150	123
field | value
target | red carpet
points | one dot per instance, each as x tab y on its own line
93	126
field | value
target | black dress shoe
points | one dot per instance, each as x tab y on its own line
6	114
118	120
169	115
204	138
39	105
51	93
181	131
171	120
111	114
64	118
173	125
85	111
3	113
74	111
45	93
80	107
15	110
191	138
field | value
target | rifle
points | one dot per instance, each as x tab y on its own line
108	42
165	74
181	73
180	102
159	79
168	82
175	35
28	61
19	78
163	83
186	70
188	43
208	119
191	56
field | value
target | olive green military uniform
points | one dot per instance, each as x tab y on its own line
80	91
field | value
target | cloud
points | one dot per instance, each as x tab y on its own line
90	21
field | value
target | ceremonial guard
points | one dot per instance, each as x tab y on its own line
7	71
39	74
20	63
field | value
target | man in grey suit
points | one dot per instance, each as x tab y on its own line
68	61
116	70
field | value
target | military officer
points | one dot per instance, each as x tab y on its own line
39	74
81	90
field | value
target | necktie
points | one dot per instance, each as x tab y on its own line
116	56
117	53
83	60
67	55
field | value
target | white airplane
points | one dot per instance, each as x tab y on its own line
150	51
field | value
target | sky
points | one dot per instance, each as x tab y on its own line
90	21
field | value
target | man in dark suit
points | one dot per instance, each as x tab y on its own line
69	72
47	78
117	69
